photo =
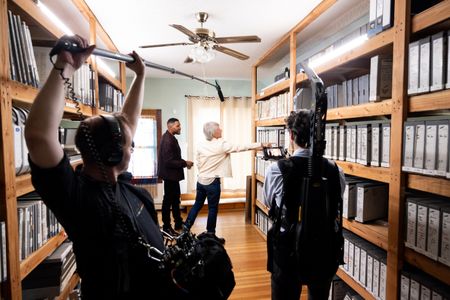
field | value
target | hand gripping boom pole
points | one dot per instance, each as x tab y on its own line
73	47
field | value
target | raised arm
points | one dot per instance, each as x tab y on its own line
41	129
230	148
133	102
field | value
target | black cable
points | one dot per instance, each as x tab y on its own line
70	88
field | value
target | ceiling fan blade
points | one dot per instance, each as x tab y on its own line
164	45
238	39
192	36
230	52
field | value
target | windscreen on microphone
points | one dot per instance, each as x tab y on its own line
219	91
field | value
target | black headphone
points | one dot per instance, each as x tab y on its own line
112	153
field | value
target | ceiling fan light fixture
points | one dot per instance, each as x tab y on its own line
202	53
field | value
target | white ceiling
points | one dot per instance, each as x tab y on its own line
133	23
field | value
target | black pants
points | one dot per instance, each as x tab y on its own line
171	199
289	288
286	284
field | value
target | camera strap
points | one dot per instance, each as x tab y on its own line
135	234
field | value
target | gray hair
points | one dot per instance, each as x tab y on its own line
209	128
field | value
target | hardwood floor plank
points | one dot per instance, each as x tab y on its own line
247	250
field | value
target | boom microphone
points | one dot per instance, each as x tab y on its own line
75	48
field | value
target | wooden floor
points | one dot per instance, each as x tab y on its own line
247	250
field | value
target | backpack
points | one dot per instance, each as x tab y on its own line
205	269
313	217
191	268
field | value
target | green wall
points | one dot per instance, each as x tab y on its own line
168	94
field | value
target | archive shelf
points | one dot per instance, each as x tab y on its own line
354	59
259	178
273	90
375	232
360	111
25	94
43	33
381	43
387	235
263	235
38	256
115	82
429	102
354	284
262	206
270	122
74	280
24	185
434	185
431	16
432	267
374	173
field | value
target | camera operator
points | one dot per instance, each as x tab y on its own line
286	280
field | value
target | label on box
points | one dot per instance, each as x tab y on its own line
369	285
386	142
419	146
422	222
408	157
414	293
411	230
442	161
433	232
404	288
444	256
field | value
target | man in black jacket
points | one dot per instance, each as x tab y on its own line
170	169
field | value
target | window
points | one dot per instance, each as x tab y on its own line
143	162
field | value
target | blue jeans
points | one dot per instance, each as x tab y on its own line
212	192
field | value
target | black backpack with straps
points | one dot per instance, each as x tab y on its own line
314	221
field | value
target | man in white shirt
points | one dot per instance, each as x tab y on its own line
213	162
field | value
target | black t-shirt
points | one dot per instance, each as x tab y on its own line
109	266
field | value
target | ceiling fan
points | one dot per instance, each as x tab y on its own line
206	40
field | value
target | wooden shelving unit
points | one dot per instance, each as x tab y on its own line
259	178
434	185
74	280
431	16
263	235
25	94
432	267
35	258
360	111
386	235
273	90
378	44
430	102
375	232
354	285
270	122
24	185
261	206
374	173
12	186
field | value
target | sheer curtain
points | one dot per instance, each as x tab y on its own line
234	117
